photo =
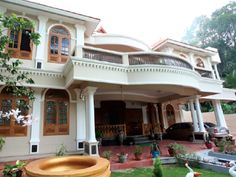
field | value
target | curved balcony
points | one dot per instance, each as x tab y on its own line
155	59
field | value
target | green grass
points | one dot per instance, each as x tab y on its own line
168	171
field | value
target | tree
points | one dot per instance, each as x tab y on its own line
15	79
219	31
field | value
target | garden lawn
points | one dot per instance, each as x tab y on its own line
168	171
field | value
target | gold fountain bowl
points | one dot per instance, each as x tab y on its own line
69	166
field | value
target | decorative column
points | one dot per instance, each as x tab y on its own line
191	57
79	40
220	119
80	117
210	66
216	72
91	144
144	112
35	127
199	115
194	117
41	48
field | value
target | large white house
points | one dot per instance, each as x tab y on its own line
87	80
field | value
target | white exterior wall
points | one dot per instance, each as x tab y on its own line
49	144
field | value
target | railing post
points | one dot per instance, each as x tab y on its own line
125	59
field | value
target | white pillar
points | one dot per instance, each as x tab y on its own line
191	58
216	72
199	115
144	112
79	40
35	127
41	48
91	146
80	119
210	66
194	117
220	119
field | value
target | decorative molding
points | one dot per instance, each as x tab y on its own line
38	72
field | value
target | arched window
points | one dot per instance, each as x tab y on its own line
56	113
59	44
200	63
20	43
9	126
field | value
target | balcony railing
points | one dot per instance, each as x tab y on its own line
204	73
111	130
102	56
150	59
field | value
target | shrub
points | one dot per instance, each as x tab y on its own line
61	150
106	154
157	171
2	142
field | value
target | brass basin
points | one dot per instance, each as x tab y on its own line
69	166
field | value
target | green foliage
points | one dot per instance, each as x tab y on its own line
192	159
155	147
229	108
223	144
157	171
13	78
2	142
138	150
61	150
230	80
219	31
177	148
107	154
11	170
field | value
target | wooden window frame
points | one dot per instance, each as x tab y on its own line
55	129
17	52
58	58
13	127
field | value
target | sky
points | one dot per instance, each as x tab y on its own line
145	20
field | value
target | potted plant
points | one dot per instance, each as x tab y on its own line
2	142
138	151
106	154
99	136
122	157
175	149
208	142
155	150
14	170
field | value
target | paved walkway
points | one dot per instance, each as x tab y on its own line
146	158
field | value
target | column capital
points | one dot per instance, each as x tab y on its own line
42	18
80	27
90	90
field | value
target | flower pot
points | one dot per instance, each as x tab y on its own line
208	145
155	154
171	152
138	156
122	158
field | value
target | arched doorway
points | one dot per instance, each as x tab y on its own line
170	114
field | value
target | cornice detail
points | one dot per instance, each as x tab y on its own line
38	73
